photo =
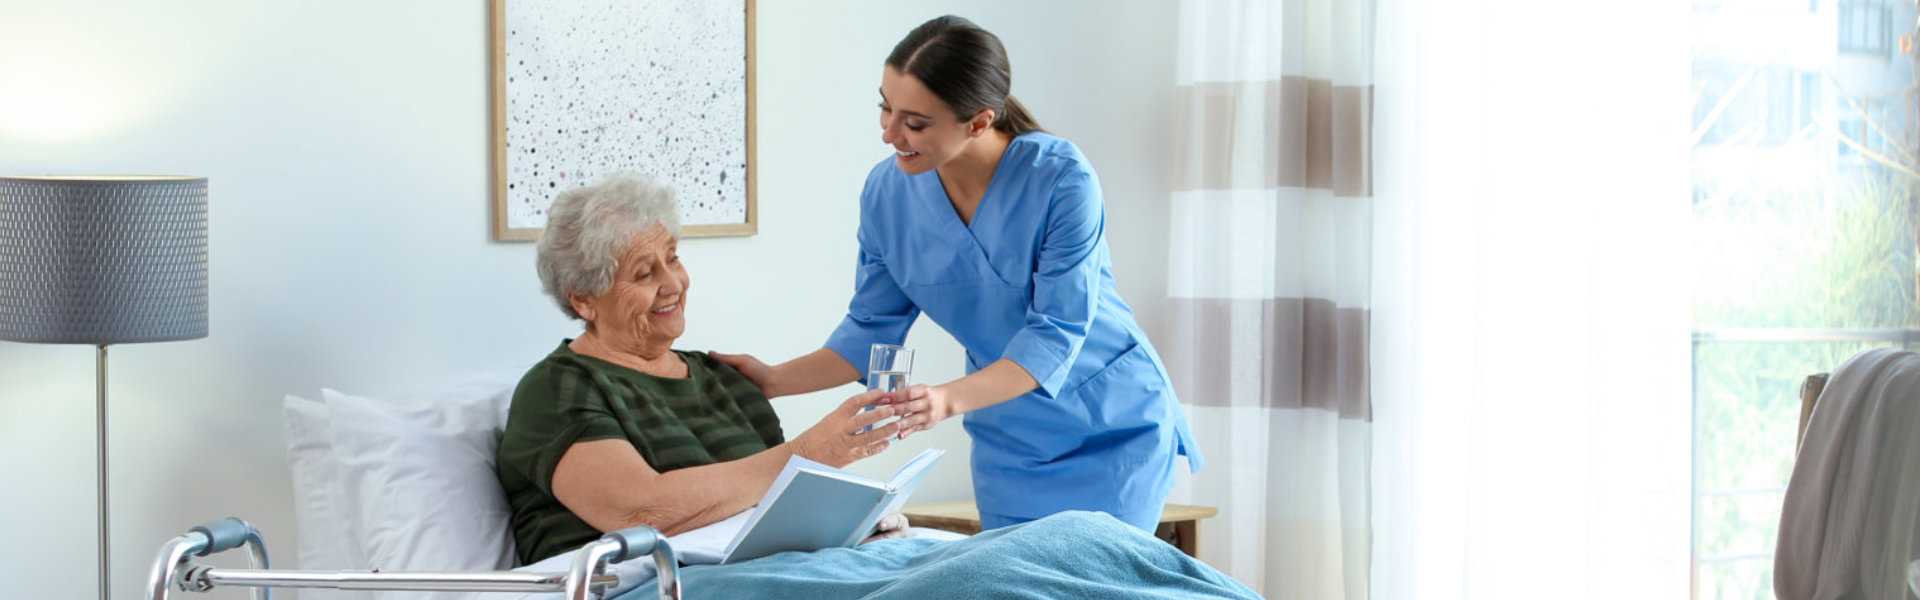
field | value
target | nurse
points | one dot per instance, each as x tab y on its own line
996	230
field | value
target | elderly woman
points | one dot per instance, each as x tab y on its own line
615	428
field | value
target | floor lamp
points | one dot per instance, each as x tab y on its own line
103	260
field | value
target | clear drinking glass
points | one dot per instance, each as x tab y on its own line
888	368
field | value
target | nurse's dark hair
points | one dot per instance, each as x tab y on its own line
966	67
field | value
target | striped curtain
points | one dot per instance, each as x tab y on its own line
1270	262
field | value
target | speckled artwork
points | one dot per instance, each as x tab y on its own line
595	86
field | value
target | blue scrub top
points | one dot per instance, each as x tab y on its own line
1028	280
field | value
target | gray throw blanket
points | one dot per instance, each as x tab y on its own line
1848	527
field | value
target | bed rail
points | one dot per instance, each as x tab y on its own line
588	579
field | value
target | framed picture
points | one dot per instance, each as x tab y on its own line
583	88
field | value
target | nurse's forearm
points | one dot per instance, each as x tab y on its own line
998	382
815	371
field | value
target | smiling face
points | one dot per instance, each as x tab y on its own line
644	310
923	131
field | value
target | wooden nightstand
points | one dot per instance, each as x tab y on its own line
1179	523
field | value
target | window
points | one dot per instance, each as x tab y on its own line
1805	249
1866	27
1754	104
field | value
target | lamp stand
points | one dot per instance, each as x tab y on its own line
100	418
100	260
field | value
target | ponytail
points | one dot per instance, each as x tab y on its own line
1015	120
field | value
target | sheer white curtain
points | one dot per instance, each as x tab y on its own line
1268	278
1531	313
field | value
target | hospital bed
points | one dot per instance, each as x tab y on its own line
396	497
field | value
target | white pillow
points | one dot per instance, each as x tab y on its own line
326	542
418	473
389	484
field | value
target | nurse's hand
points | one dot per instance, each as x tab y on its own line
757	372
921	407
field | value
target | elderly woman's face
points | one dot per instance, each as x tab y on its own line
645	307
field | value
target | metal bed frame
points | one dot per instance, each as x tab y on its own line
588	579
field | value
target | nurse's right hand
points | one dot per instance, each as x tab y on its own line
757	372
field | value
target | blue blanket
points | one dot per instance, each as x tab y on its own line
1068	555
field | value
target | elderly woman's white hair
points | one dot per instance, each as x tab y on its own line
589	228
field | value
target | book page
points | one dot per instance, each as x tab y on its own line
794	463
911	473
901	487
812	506
808	508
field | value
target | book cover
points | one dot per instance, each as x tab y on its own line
812	506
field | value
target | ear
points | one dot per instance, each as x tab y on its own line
980	123
580	305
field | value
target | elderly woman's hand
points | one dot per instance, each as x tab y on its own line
837	439
891	526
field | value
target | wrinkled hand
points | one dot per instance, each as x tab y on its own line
891	526
757	372
837	440
921	407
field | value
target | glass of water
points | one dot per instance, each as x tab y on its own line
888	368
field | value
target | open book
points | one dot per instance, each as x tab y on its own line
813	506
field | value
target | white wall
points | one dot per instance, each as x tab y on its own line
347	148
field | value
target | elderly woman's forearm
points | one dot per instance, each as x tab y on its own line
608	485
846	435
688	499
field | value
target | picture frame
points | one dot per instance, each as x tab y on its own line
584	88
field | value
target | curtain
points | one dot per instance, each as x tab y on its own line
1530	300
1269	286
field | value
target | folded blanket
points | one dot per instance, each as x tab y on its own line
1068	555
1851	520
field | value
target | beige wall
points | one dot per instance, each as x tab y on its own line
346	144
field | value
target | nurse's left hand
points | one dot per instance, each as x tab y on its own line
921	407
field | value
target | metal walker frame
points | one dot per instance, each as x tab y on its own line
588	579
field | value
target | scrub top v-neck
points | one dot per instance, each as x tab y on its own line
1028	279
